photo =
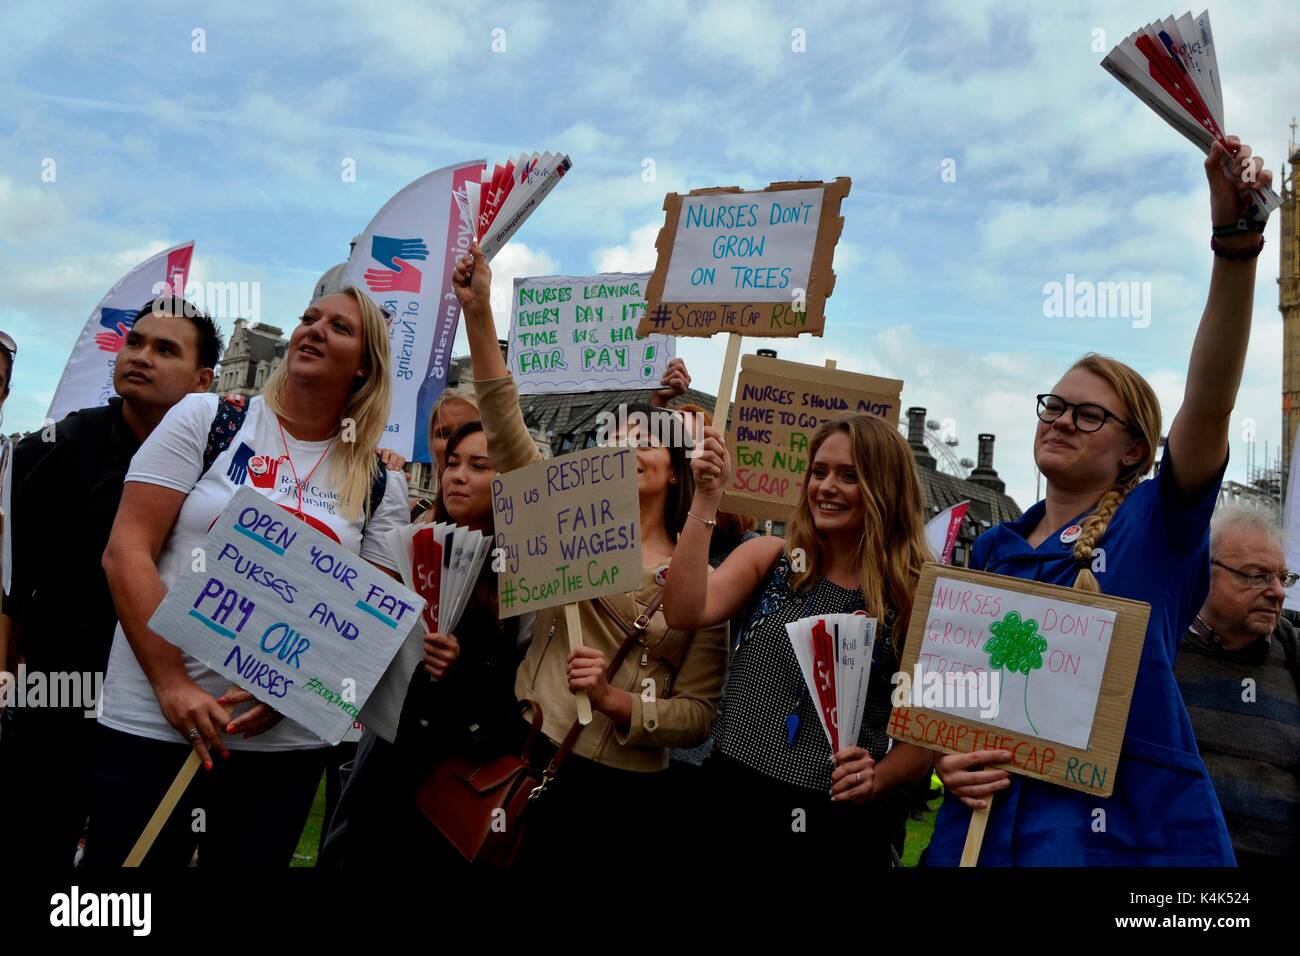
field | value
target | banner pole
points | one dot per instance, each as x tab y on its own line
575	641
729	363
979	820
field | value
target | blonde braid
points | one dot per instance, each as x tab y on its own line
1094	527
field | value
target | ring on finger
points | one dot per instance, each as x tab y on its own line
194	733
857	778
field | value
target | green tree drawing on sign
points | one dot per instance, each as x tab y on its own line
1017	646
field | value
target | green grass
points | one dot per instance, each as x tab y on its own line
309	842
918	837
920	831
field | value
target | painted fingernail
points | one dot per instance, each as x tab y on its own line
207	765
230	727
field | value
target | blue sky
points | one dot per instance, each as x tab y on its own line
1059	170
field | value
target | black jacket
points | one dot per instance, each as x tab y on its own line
473	709
65	497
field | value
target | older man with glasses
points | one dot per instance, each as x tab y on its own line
1238	674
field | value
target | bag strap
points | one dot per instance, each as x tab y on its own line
378	485
634	634
232	409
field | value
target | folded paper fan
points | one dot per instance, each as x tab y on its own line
834	654
494	207
1171	66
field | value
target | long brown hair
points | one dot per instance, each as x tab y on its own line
1144	423
893	546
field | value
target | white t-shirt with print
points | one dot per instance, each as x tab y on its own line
172	456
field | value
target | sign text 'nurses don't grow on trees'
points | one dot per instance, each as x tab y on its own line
754	263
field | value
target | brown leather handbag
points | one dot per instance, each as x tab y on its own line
481	808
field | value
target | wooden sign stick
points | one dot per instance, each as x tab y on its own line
165	807
575	642
979	820
729	363
164	811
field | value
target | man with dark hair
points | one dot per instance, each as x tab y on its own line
1237	669
67	483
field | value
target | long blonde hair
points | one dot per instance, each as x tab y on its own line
353	469
893	546
1144	421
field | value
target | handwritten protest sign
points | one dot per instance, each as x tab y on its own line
778	407
579	334
752	263
567	529
993	662
287	614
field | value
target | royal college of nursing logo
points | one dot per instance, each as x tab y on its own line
396	256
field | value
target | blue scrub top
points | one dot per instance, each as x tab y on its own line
1163	811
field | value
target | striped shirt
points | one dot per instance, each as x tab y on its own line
1249	737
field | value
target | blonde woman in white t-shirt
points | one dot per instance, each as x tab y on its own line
260	772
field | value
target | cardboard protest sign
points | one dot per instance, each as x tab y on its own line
567	529
753	263
303	624
778	407
579	334
1046	672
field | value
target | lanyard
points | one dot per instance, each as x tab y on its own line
292	470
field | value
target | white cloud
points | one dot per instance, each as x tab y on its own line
516	260
638	254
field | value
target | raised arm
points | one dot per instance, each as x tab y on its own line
472	280
509	441
1198	437
694	598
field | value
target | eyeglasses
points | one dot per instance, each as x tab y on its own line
8	344
1087	416
1262	579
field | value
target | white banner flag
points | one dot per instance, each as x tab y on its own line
404	259
941	531
87	379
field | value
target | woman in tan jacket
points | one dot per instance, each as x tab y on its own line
665	692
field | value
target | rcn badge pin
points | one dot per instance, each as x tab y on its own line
661	575
1071	534
259	465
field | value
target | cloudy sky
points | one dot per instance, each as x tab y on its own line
1058	169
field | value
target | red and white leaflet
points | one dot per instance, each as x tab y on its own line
462	203
802	643
427	572
855	639
823	647
473	200
1200	34
493	197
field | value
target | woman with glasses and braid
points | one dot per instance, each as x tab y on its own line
1103	528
